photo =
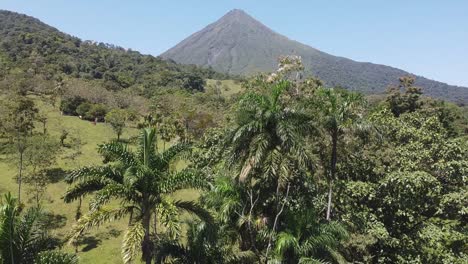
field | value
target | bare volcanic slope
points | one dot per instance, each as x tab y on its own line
239	44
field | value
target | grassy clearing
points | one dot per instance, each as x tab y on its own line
98	246
228	87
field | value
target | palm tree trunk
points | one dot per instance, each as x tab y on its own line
155	223
20	175
332	172
77	217
252	205
37	195
147	245
330	191
130	218
275	223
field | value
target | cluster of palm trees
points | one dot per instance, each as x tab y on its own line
259	203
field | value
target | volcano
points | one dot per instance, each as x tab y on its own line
239	44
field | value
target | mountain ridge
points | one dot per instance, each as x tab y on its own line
237	43
64	53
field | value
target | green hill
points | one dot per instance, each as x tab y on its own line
31	45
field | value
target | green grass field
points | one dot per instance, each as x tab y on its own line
228	87
98	246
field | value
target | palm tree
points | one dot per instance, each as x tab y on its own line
237	219
142	181
268	143
267	131
337	111
22	234
306	240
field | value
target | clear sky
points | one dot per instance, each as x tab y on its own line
425	37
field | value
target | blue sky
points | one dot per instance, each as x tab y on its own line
425	37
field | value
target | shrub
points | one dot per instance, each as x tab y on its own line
69	105
96	111
83	109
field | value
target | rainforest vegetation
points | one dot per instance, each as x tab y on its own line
293	172
110	156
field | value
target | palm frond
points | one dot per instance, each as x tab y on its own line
116	151
326	237
8	214
335	255
83	188
132	242
336	229
244	173
184	179
56	257
168	213
103	172
95	219
308	260
261	144
147	145
235	256
195	209
29	234
200	234
286	241
108	192
166	249
173	153
22	234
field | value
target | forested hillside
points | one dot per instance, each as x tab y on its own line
27	43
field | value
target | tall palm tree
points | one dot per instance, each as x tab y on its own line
268	142
22	234
338	110
142	181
